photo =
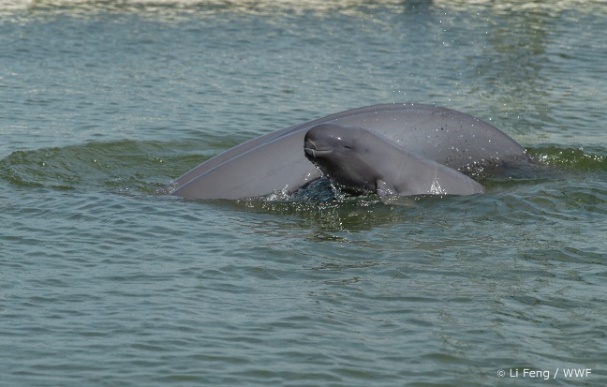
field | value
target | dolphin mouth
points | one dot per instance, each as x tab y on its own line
312	152
316	152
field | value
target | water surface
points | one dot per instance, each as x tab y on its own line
105	281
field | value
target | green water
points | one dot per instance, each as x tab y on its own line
104	280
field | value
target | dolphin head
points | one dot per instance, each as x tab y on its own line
342	155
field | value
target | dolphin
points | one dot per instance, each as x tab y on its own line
362	161
275	163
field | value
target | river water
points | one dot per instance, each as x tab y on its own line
106	281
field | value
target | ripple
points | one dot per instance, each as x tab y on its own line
120	166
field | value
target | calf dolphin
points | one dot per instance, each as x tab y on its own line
275	162
360	160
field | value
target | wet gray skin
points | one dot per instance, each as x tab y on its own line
276	162
359	160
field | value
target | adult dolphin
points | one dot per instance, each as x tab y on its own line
362	161
276	162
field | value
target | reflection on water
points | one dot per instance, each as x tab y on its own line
511	74
173	8
294	7
549	7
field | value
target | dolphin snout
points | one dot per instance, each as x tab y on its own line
315	149
310	148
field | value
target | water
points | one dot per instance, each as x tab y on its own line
105	281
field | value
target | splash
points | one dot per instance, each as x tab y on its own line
436	188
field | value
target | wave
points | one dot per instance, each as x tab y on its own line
124	166
570	159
